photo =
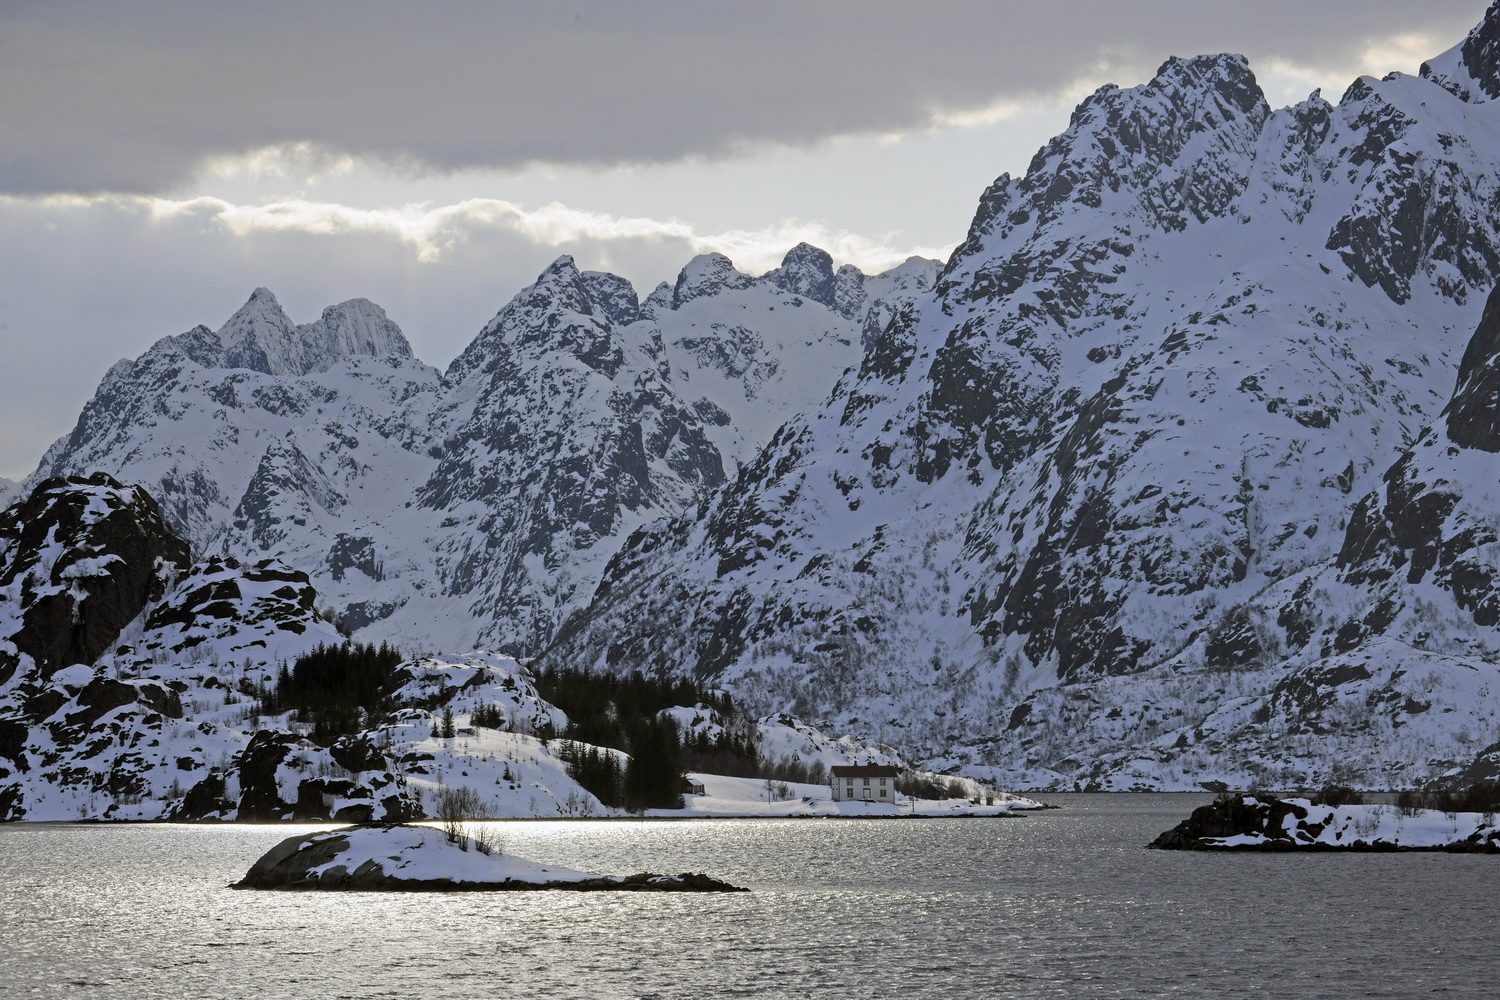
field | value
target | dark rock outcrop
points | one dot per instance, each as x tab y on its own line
369	793
80	558
1259	822
1233	816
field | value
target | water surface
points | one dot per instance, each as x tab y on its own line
1065	903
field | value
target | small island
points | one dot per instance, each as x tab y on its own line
1261	822
399	857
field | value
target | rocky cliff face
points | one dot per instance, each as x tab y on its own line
1036	528
79	560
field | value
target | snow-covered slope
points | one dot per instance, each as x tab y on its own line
1150	387
476	506
135	686
261	421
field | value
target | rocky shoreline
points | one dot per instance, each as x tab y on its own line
1265	823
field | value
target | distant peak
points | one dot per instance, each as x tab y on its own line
560	284
355	327
806	253
563	312
1227	74
1221	63
707	274
260	337
806	271
260	312
561	272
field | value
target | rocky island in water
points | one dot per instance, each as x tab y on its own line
404	858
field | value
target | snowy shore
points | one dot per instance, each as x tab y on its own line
1266	823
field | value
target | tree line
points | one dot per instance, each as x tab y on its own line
341	689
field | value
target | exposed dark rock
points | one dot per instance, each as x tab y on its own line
1473	416
260	800
205	800
82	557
806	271
1278	825
1232	816
372	794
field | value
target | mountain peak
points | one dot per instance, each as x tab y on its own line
806	271
707	274
561	311
358	327
1210	90
262	302
1178	146
561	269
1227	66
260	337
1471	69
614	296
560	284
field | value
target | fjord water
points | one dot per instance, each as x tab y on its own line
1065	903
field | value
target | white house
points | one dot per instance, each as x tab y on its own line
864	782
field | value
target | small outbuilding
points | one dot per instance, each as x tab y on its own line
864	782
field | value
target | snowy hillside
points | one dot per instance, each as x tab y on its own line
214	691
1144	399
475	507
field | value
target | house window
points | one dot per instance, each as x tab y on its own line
882	791
882	781
867	781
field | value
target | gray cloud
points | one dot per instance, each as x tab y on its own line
134	96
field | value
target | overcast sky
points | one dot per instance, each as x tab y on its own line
162	159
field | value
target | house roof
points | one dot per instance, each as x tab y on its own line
865	771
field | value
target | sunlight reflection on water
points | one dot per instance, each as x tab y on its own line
1060	904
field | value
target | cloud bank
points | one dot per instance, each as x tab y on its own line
431	231
138	97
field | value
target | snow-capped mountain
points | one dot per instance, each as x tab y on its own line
474	507
1161	481
1034	528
